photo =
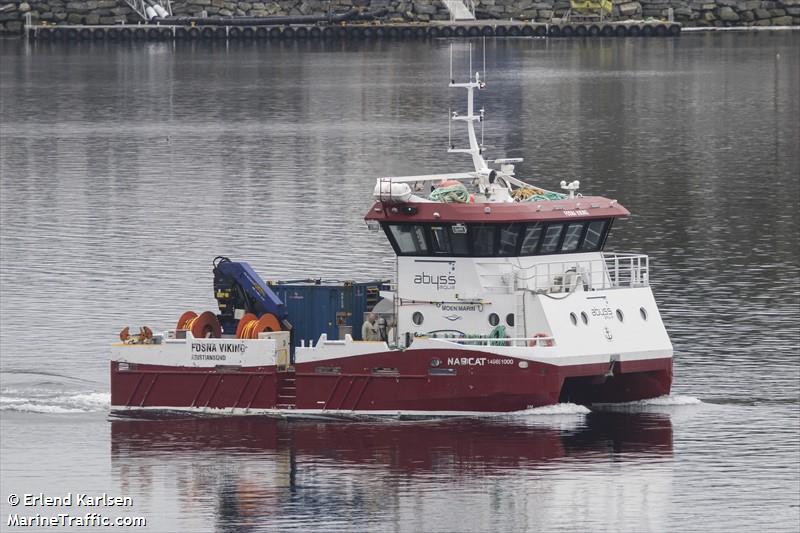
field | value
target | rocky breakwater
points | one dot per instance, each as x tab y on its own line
688	12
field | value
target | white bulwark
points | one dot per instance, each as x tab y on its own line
189	351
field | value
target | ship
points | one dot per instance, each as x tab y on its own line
504	299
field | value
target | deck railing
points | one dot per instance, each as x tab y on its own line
539	340
612	271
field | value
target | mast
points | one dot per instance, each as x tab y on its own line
475	149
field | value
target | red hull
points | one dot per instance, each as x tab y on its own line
389	382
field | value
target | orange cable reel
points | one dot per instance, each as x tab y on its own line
249	327
244	323
203	326
184	322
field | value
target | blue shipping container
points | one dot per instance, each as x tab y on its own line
327	307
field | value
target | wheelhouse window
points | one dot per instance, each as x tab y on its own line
507	239
552	236
594	235
572	237
483	239
530	238
447	239
410	239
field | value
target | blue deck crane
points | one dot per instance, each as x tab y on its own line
239	290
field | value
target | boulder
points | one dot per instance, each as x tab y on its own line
629	8
781	21
123	10
747	16
75	18
424	8
727	14
761	13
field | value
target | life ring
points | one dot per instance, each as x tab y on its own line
541	339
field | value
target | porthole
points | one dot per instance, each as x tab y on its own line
574	318
584	317
620	316
494	319
643	312
417	318
510	319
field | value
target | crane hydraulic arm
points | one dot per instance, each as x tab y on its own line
239	290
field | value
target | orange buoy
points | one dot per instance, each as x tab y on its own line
448	183
183	321
125	334
243	322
